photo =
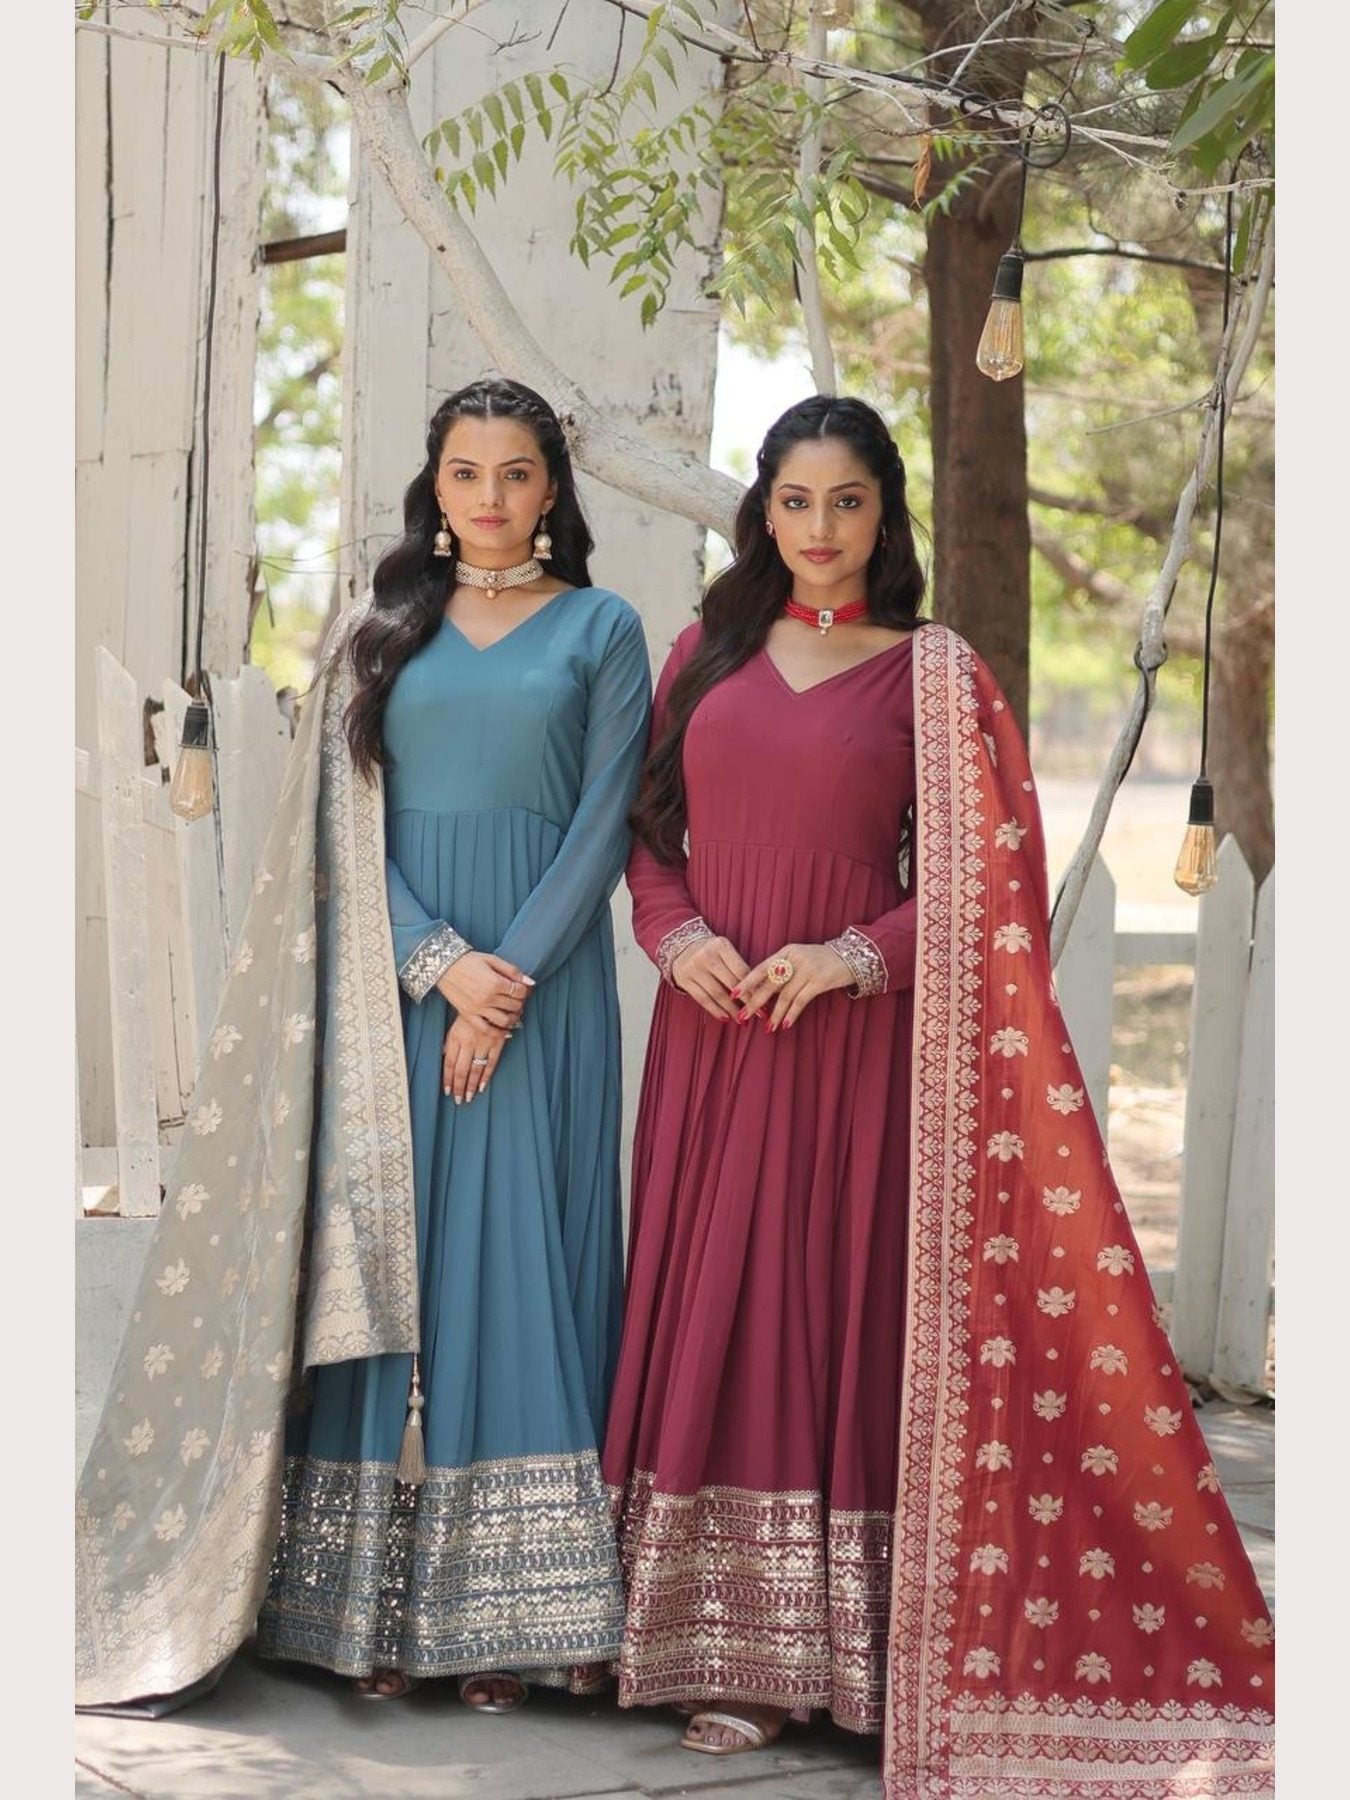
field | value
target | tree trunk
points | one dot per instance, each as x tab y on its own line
1239	739
981	534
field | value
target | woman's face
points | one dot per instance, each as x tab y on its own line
825	511
493	485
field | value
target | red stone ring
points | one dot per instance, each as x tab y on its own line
780	971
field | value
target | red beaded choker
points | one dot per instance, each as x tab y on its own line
827	615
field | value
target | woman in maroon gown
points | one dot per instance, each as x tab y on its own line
753	1429
896	1431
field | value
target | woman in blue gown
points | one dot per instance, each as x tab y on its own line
506	708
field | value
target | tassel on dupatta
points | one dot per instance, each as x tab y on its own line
412	1456
1073	1613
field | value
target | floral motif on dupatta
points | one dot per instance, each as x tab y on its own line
1073	1613
271	1197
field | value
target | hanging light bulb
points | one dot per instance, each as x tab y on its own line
192	792
1197	869
1001	350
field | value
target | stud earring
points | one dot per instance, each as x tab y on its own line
543	543
444	544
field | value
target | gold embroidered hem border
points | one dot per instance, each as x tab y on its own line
761	1597
501	1565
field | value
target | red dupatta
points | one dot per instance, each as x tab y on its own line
1073	1613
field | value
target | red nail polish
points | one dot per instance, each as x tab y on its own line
735	993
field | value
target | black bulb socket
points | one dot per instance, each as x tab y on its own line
1008	278
196	726
1202	802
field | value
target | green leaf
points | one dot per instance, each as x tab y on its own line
1222	101
662	57
631	286
1156	31
501	155
492	106
483	169
558	82
451	133
474	120
1183	63
517	141
512	95
380	68
534	87
650	307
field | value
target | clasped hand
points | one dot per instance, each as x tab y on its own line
713	972
488	994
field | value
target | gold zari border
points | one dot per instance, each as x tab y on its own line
760	1597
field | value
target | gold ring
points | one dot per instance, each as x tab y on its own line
780	971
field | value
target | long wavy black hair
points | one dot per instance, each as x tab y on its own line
412	584
745	599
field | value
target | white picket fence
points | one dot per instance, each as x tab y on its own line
1220	1287
176	894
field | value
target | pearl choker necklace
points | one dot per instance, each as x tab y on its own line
492	581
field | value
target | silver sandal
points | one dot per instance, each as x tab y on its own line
492	1706
757	1736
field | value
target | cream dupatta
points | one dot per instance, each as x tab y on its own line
287	1238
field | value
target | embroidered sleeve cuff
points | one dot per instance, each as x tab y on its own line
429	961
693	931
864	959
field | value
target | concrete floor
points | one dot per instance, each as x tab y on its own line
299	1734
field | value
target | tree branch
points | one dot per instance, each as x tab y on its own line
1116	514
808	267
1234	354
625	460
1147	256
428	38
1077	572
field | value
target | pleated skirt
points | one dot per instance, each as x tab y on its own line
505	1557
751	1449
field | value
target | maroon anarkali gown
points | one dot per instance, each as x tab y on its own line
753	1430
897	1430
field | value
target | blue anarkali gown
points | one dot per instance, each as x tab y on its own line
511	774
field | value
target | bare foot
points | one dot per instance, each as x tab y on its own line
720	1736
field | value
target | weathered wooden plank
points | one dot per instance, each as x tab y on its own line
1085	982
93	1021
199	896
1244	1293
230	524
128	939
93	222
149	540
252	741
89	782
1223	954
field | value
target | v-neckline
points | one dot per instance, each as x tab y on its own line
482	649
839	674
